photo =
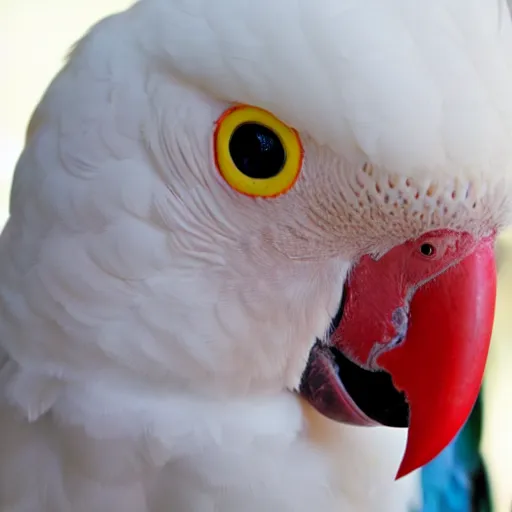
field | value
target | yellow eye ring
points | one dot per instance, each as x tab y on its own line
256	153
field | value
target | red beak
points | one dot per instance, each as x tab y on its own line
441	363
422	314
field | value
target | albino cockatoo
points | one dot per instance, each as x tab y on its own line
235	222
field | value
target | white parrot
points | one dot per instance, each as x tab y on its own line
207	188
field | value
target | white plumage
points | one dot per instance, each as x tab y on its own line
153	320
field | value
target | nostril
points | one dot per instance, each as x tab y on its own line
427	250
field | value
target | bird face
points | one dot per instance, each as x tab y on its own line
415	321
196	200
417	305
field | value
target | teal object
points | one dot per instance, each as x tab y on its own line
456	480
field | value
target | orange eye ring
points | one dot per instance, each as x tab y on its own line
256	153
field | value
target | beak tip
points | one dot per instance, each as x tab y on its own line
405	468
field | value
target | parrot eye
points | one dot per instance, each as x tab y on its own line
256	153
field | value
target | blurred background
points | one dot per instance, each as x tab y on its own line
34	38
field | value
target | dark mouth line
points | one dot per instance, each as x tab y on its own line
372	391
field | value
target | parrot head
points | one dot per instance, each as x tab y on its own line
210	187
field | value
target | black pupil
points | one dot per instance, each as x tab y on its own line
257	151
427	250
